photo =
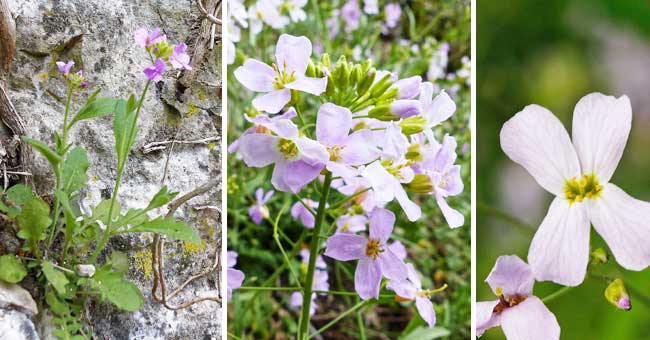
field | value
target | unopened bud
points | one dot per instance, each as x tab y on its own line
413	125
599	256
408	88
311	70
406	108
421	184
617	295
381	86
366	82
325	60
383	113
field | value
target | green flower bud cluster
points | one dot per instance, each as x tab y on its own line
421	184
353	85
162	50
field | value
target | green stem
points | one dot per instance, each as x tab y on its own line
313	253
504	216
64	138
340	317
276	237
118	181
556	294
362	328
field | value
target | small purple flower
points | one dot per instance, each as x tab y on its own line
155	71
320	262
333	125
370	6
393	14
259	211
235	277
351	14
298	160
375	257
179	58
520	314
146	39
411	289
351	224
64	68
398	249
446	179
435	109
299	212
288	73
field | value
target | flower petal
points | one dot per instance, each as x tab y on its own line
425	308
367	279
403	288
530	320
559	251
485	317
412	210
511	276
300	173
272	102
622	221
258	149
333	124
453	217
359	148
277	179
256	75
311	151
346	247
442	107
391	266
381	224
315	86
382	183
535	139
292	53
601	125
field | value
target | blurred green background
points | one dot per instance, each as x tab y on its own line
552	53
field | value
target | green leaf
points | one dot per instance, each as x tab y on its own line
101	211
70	217
162	197
74	170
33	219
16	196
119	261
426	333
122	293
124	129
58	280
96	108
11	269
170	227
58	308
51	156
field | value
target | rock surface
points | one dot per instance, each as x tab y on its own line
97	35
15	325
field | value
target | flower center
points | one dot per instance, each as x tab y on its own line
576	190
506	302
287	148
392	169
282	77
335	153
414	153
373	249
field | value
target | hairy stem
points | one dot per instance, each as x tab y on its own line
313	253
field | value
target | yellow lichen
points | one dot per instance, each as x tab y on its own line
192	110
190	248
143	262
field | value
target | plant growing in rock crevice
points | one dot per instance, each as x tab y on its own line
62	241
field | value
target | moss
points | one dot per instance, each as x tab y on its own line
202	94
142	261
212	145
192	110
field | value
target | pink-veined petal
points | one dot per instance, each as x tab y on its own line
601	125
535	139
511	276
367	279
346	247
256	76
530	320
272	102
623	222
559	251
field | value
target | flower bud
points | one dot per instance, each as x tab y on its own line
383	113
311	70
413	125
405	108
421	184
414	153
85	270
617	295
325	60
366	82
599	256
408	88
381	86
